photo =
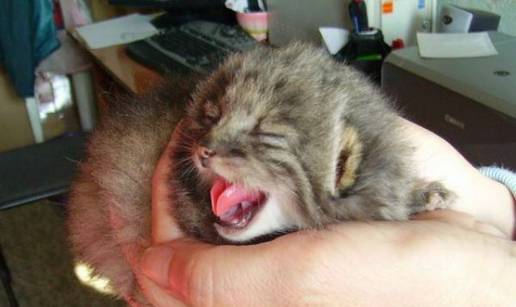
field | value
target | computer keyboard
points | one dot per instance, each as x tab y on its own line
197	46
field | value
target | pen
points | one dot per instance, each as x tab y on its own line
356	23
253	6
358	14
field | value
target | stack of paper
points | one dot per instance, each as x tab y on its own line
455	45
117	31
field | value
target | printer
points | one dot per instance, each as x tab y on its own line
470	102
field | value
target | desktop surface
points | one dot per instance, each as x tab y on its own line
489	80
462	100
131	75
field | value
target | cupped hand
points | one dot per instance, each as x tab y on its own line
486	200
441	258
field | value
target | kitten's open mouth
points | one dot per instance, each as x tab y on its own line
234	205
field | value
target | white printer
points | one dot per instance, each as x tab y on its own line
471	102
462	20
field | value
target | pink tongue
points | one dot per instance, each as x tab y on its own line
225	196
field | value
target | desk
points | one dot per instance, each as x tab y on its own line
116	74
464	100
131	75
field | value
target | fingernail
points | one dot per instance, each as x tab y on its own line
155	264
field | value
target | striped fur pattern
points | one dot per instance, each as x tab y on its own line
281	120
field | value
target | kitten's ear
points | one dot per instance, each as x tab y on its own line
194	100
190	106
349	159
211	110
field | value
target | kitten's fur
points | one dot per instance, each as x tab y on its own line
314	134
281	122
109	207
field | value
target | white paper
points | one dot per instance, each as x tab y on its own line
455	45
237	5
117	31
241	6
334	38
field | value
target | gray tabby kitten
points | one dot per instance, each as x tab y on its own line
272	141
277	140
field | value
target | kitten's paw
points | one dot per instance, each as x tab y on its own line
432	196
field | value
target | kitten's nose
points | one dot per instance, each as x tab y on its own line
204	154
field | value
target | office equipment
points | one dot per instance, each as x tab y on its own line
300	19
402	19
454	19
181	11
172	4
365	51
197	46
468	101
455	45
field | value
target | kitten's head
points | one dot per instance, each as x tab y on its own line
239	168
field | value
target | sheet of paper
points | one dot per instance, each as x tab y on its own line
334	38
117	31
455	45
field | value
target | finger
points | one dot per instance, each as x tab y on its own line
460	219
164	227
448	216
156	295
205	275
489	230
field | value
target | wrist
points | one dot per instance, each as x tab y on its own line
505	205
504	196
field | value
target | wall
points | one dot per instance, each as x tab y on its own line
504	8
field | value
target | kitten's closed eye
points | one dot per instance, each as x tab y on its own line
268	134
209	120
260	131
271	139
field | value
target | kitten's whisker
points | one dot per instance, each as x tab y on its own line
187	134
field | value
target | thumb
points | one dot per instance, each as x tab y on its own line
164	227
200	274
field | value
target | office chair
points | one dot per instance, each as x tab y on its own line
32	173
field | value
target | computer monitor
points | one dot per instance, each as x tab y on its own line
172	4
180	11
299	20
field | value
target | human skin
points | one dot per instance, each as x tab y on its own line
441	258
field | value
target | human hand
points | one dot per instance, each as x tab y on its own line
203	274
439	260
486	200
